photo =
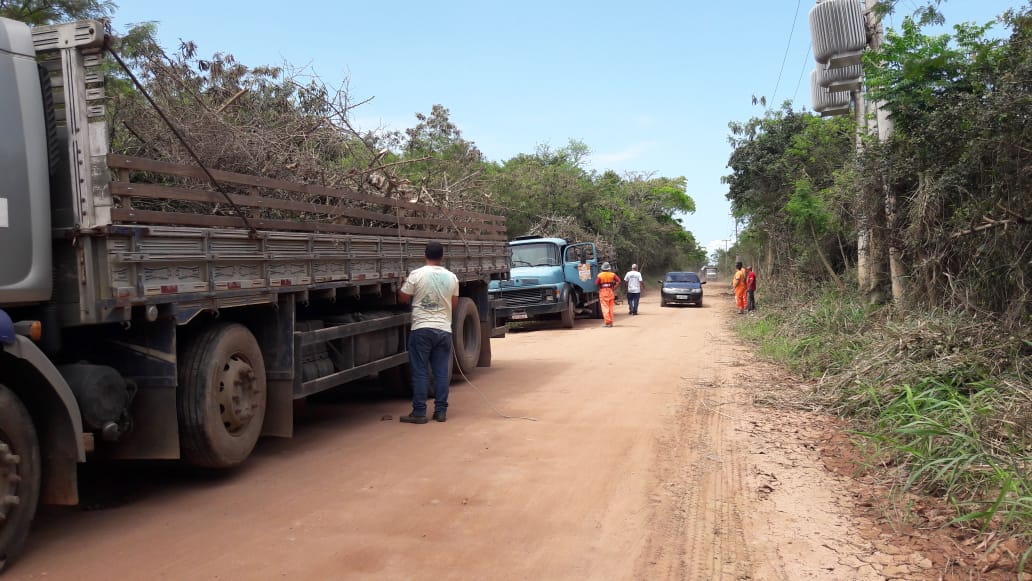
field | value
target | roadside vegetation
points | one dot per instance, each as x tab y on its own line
898	275
939	401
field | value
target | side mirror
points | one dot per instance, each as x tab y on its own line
702	282
659	282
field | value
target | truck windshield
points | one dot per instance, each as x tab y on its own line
535	255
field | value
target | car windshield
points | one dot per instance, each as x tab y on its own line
682	277
535	255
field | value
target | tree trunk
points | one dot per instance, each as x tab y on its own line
896	273
770	253
824	260
863	258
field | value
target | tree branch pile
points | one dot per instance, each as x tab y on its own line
275	122
567	228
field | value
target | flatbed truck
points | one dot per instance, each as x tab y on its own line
189	331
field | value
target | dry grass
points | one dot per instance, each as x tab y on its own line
941	401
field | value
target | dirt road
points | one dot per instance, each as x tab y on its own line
647	460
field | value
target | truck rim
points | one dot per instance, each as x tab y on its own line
236	394
9	479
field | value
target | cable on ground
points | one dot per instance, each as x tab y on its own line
486	399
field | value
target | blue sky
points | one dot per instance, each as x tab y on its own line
649	86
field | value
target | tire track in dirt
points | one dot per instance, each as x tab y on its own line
697	530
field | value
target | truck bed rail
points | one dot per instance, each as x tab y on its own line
177	194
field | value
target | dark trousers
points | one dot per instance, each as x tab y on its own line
751	305
429	351
632	302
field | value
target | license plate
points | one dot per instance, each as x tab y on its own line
682	297
517	316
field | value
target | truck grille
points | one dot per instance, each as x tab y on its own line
521	297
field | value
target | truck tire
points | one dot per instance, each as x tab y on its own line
221	396
466	336
485	345
19	475
596	309
569	314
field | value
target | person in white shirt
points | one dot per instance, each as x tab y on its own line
433	291
635	284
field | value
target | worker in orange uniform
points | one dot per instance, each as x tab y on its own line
740	284
607	283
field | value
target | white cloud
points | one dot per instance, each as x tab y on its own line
715	244
631	152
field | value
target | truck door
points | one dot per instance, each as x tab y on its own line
580	265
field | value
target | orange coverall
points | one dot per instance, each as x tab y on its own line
740	285
607	283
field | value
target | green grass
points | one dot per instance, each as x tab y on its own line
941	398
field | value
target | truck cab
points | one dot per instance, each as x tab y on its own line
549	277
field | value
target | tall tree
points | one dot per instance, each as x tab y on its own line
37	12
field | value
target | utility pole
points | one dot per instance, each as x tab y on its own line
881	124
738	257
864	278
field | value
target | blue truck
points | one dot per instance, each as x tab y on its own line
550	278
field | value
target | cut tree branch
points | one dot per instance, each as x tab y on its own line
989	223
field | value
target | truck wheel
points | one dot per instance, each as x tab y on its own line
19	475
221	397
596	309
466	336
569	313
485	345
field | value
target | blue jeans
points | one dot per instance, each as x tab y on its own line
429	350
632	302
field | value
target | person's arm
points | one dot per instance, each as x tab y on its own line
406	291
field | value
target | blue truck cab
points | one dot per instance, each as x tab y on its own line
549	277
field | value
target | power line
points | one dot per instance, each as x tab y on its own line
806	60
785	58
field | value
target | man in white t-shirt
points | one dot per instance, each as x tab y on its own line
433	291
634	286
